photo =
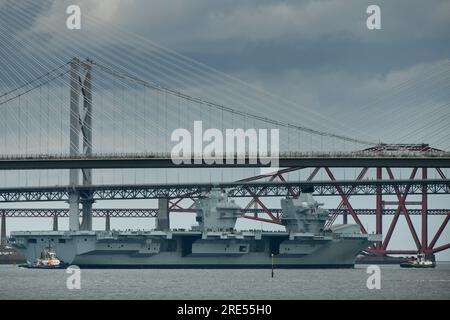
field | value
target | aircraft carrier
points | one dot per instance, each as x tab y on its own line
213	243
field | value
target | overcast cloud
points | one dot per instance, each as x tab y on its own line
318	54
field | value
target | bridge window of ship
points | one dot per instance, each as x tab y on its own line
61	240
32	241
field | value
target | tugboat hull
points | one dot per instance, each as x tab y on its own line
411	265
30	266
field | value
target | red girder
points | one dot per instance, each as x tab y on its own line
439	170
313	174
441	248
259	193
397	213
271	174
278	174
342	203
290	191
264	208
424	214
347	203
381	248
379	207
259	219
439	232
405	211
175	203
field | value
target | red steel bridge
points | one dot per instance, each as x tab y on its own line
257	210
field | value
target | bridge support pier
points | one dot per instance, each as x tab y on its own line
3	230
80	128
379	208
86	222
424	241
74	211
107	222
55	222
163	219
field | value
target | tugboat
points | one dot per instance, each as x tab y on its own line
47	260
420	262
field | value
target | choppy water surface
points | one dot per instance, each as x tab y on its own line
396	283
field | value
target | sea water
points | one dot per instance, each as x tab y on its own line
396	283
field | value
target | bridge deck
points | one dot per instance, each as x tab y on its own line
315	159
234	189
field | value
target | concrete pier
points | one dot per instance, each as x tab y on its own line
3	230
163	219
55	222
108	222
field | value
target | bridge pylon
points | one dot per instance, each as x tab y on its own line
80	129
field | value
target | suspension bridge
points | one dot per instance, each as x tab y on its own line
80	131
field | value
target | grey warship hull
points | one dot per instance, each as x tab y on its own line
213	243
193	249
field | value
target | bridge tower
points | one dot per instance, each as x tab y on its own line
80	129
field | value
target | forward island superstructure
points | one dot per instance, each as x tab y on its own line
213	243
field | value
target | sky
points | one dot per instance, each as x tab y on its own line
313	63
319	55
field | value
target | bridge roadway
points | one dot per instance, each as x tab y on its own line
234	189
292	159
153	212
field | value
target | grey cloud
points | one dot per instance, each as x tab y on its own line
316	53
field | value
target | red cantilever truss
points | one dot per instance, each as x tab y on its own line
421	244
